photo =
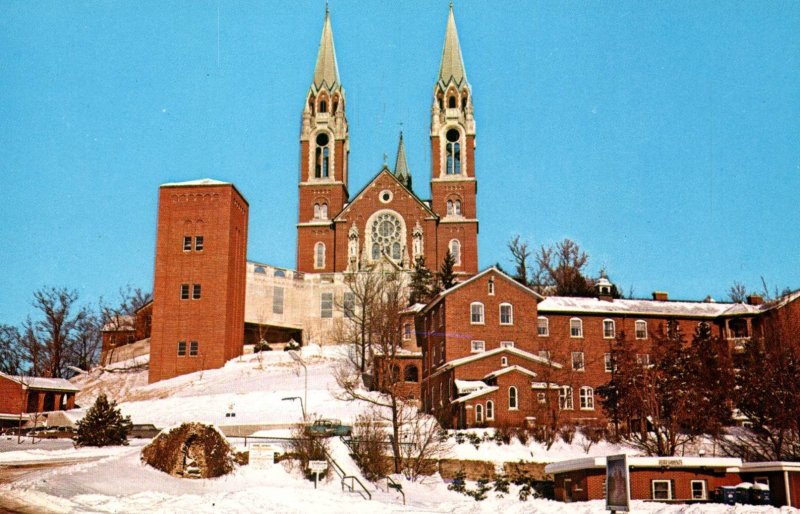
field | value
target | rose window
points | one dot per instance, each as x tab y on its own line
386	235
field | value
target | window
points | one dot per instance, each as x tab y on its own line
193	348
317	212
321	156
587	398
608	329
543	326
577	361
457	207
541	397
504	361
198	243
608	362
476	310
575	327
506	314
349	304
643	359
479	413
506	344
662	489
181	348
455	251
386	233
544	354
490	409
565	398
453	148
195	291
326	305
478	346
441	352
319	255
406	330
260	269
323	106
184	291
698	489
187	243
411	374
449	207
513	404
491	286
641	329
277	300
278	273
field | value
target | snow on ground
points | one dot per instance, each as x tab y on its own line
52	450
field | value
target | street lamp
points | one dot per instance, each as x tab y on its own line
302	405
294	355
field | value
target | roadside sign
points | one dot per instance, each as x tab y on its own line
262	455
618	490
317	467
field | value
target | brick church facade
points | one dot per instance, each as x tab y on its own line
486	352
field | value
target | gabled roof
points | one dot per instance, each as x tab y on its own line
384	170
476	394
497	351
446	292
452	65
51	384
326	70
197	182
509	369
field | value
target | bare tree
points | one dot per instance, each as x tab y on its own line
560	270
520	254
424	443
85	347
738	292
357	328
10	361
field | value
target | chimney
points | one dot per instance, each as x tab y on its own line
755	299
661	296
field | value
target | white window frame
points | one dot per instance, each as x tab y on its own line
407	330
586	396
478	413
704	494
481	314
489	410
510	320
576	331
506	344
541	397
582	357
609	334
194	348
319	255
653	489
455	244
540	326
504	361
643	359
491	286
608	362
325	305
640	322
477	346
565	401
513	405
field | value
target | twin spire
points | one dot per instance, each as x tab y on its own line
326	71
452	66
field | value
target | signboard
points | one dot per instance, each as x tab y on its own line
262	455
618	484
317	466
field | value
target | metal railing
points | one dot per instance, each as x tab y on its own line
353	479
391	484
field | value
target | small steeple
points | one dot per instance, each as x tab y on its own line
452	66
401	170
326	71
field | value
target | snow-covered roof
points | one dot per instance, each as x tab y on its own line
469	386
476	394
197	182
53	384
490	269
565	466
771	466
482	355
121	322
783	301
509	369
544	385
569	304
417	307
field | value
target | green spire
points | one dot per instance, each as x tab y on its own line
401	170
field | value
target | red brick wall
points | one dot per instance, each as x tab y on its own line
216	320
12	397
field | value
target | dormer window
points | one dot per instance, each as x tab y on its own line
453	165
322	156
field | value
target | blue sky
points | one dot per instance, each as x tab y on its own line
664	137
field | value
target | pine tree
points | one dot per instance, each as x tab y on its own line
421	283
447	277
103	425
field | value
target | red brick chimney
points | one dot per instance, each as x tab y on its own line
755	299
661	296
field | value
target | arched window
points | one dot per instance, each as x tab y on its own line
323	106
316	211
323	211
396	251
476	313
319	255
455	251
386	232
449	207
457	207
506	314
490	409
260	269
411	374
376	252
453	152
513	403
335	104
479	413
587	398
321	156
279	273
451	102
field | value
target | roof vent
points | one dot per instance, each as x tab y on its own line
660	296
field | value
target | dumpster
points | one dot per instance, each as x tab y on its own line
727	495
743	493
759	494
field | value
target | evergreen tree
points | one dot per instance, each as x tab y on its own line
421	283
103	425
447	277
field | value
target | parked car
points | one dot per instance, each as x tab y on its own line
328	428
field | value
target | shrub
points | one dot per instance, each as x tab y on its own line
567	433
479	494
501	484
502	435
306	448
474	439
459	482
262	346
368	444
103	425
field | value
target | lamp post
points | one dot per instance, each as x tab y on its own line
294	355
302	405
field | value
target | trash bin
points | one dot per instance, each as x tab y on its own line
760	494
743	493
727	495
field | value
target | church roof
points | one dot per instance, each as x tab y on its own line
198	182
452	66
326	71
401	170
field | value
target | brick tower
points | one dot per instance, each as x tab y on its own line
324	147
199	283
453	183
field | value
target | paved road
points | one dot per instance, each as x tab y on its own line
12	473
